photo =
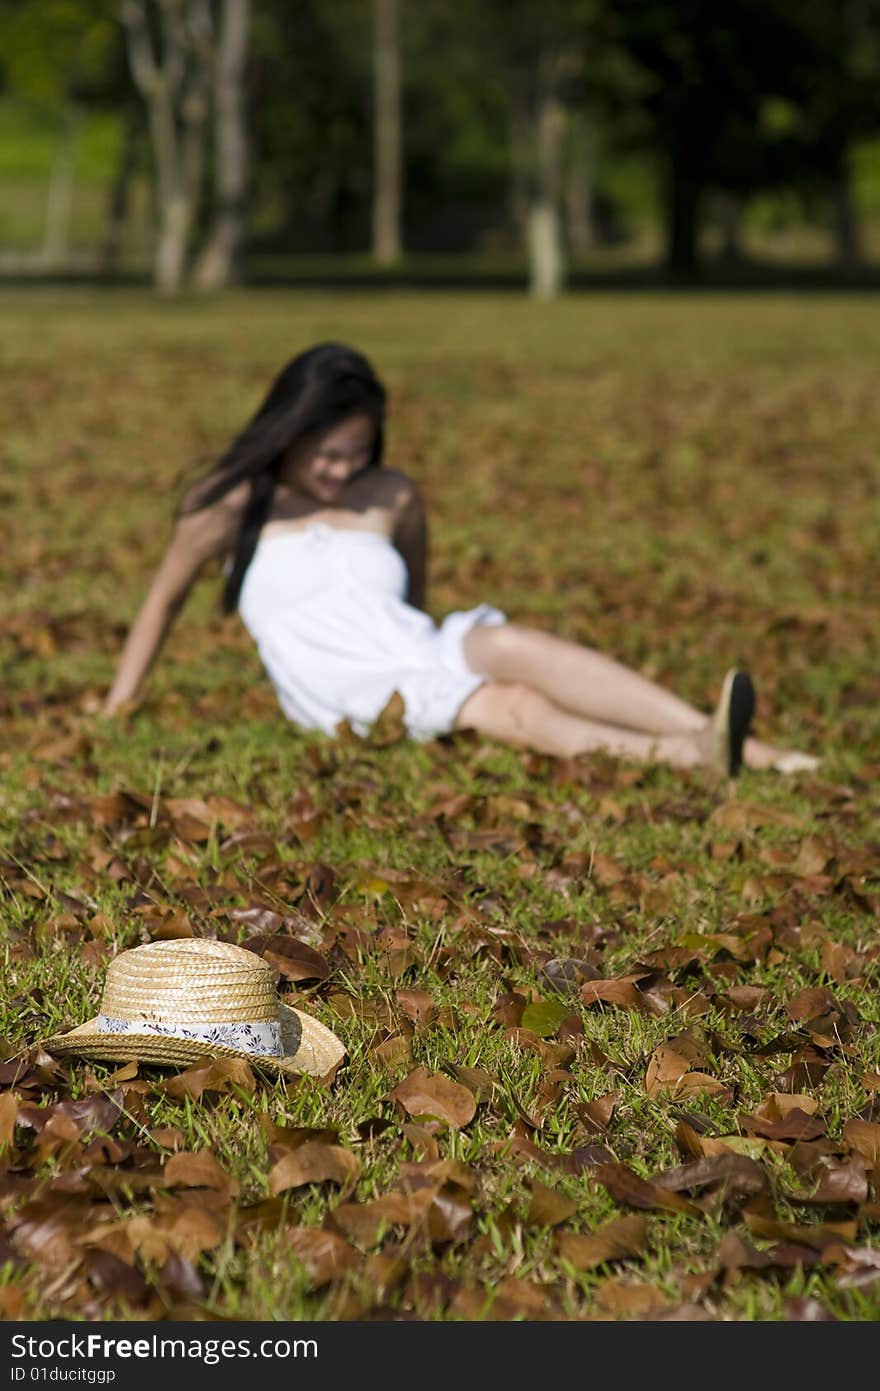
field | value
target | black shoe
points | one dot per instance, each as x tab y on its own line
731	721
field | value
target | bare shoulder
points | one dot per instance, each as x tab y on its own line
402	494
212	530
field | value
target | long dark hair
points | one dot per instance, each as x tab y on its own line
315	391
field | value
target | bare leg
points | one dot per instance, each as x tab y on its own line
579	681
521	716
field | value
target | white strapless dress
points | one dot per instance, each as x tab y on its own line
326	608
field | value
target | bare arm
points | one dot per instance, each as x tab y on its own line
410	536
197	537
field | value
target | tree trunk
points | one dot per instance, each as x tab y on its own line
546	264
682	215
580	221
386	133
59	201
847	232
730	209
120	190
218	263
176	91
546	252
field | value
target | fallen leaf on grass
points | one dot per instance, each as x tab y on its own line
567	974
811	1002
864	1138
597	1114
838	1183
8	1113
806	1309
477	1080
324	1256
442	1211
735	1174
180	1276
822	1237
418	1006
795	1124
737	815
543	1017
625	1186
734	1254
616	1240
115	1278
669	1070
212	1075
46	1231
313	1162
424	1093
621	992
198	1169
292	959
641	1301
547	1207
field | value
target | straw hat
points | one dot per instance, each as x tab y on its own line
179	1001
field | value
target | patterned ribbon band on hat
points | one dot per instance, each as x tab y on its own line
261	1040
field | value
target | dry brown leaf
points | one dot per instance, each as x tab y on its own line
864	1138
313	1162
547	1207
621	992
366	1223
292	959
8	1113
795	1124
198	1169
423	1093
615	1240
211	1075
839	1183
625	1186
735	1174
324	1255
811	1002
742	816
598	1114
821	1237
418	1006
641	1301
665	1068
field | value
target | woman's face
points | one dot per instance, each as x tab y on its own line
321	466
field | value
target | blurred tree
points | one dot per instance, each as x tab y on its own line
171	51
218	262
708	74
387	188
309	87
839	105
61	55
539	51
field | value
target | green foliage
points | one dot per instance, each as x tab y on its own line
56	51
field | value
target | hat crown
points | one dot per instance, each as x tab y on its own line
190	980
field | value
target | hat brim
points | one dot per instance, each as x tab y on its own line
309	1047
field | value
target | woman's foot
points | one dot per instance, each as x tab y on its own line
730	723
759	755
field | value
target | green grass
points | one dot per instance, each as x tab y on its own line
682	482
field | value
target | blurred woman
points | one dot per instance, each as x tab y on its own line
325	554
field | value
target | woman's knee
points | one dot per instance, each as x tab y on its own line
507	705
490	648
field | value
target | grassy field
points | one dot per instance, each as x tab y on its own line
643	1002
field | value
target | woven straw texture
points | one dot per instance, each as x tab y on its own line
195	981
190	981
